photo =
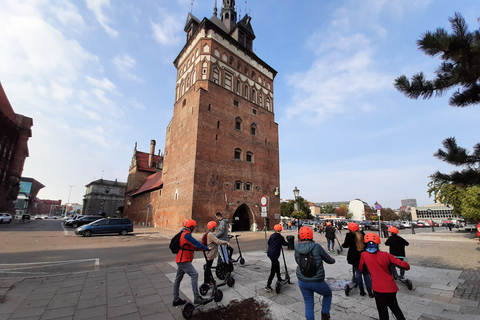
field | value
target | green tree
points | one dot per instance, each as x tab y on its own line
460	52
327	209
404	215
370	213
305	207
286	208
342	211
387	214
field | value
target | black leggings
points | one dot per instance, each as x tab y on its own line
275	269
207	275
385	300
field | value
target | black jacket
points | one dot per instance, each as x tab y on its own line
397	245
353	255
275	243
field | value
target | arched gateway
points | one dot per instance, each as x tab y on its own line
241	219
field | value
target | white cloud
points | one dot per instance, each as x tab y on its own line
166	32
103	84
124	63
137	105
96	7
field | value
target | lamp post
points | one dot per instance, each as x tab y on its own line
296	193
148	209
68	201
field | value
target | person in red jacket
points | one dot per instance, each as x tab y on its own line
184	260
384	286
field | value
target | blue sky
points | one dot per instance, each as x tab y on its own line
97	76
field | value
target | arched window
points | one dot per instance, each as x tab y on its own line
238	86
267	103
228	81
248	186
260	99
238	185
253	129
238	123
245	93
254	95
238	154
249	157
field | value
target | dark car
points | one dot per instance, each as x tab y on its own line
83	220
25	216
121	226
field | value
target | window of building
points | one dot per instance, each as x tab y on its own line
253	129
228	81
245	93
238	123
238	86
215	75
260	99
209	107
249	157
235	103
267	103
254	111
238	185
184	102
248	186
254	95
232	60
238	154
218	124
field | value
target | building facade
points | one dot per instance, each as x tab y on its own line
15	130
436	212
221	146
104	197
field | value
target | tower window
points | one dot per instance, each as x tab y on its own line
249	157
218	124
245	93
254	111
228	81
238	185
238	123
248	186
254	95
253	129
215	75
238	154
235	103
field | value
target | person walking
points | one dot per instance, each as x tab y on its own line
212	242
184	260
275	243
397	248
222	234
354	242
330	235
309	285
384	286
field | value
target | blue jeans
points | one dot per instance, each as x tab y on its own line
182	268
308	289
359	280
332	241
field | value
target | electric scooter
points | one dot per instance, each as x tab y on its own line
352	284
339	245
224	266
205	287
239	258
280	284
217	296
405	281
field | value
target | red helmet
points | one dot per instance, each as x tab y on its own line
372	237
211	225
305	233
329	223
278	228
190	223
352	226
393	230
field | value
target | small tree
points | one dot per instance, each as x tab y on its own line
342	211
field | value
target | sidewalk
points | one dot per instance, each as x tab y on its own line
145	292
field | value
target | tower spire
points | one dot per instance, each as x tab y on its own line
215	9
228	14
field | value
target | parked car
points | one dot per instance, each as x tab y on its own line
420	224
5	217
83	220
25	216
398	225
374	226
406	224
121	226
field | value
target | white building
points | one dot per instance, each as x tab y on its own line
357	209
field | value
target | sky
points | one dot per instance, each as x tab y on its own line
97	76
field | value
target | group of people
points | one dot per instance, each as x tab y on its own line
370	265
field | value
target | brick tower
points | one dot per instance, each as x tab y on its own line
221	146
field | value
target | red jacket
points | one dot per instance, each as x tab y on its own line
189	244
377	263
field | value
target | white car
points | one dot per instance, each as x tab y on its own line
5	217
406	224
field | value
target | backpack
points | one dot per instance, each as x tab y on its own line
307	264
204	239
175	243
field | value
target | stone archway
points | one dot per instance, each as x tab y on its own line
241	219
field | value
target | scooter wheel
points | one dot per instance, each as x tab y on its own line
230	281
338	251
218	296
242	261
278	287
204	289
187	311
409	284
222	270
347	290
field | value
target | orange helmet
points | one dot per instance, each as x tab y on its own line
372	237
211	225
278	228
305	233
352	226
393	230
190	223
329	223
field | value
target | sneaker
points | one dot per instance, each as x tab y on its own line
401	277
200	300
268	288
370	293
178	302
362	293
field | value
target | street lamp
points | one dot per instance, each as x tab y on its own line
68	201
296	193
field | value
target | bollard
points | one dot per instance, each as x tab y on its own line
413	229
433	227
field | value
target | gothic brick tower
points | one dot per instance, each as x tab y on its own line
221	147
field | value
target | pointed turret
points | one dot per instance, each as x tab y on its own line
228	14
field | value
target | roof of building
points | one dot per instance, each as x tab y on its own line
153	182
107	182
5	105
142	161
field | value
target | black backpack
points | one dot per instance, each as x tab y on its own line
307	264
175	243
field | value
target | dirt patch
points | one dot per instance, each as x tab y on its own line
240	310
